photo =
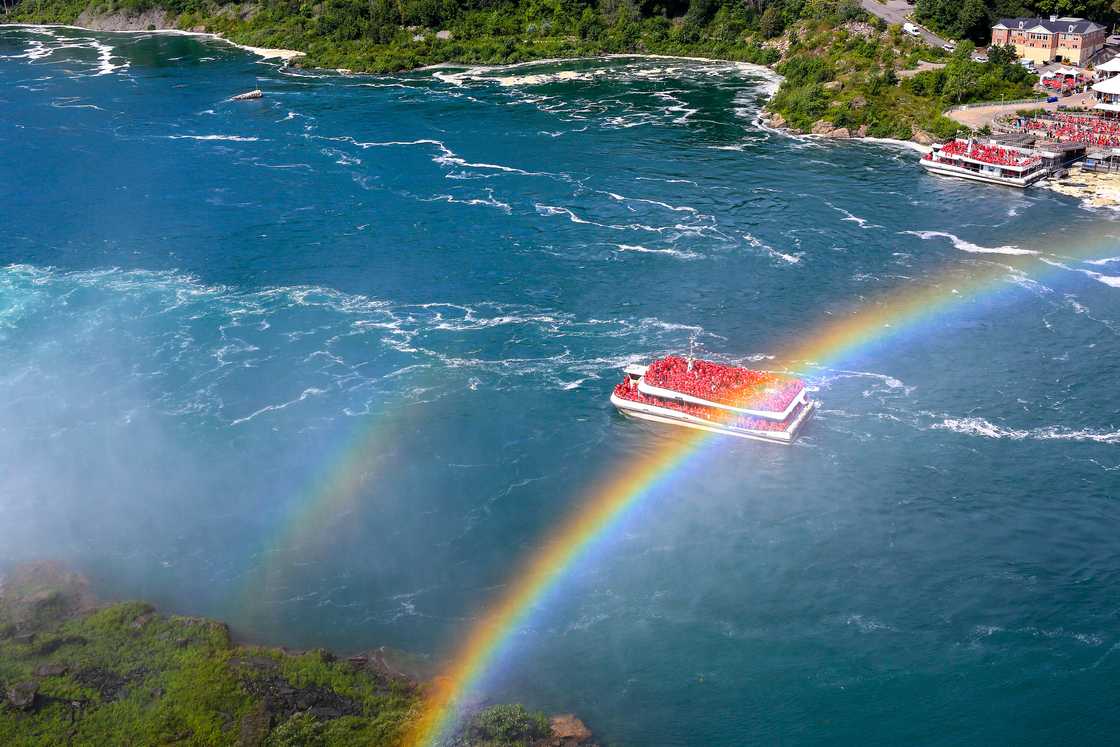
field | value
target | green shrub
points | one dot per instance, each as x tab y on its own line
507	726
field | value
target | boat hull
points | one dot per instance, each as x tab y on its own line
672	417
942	169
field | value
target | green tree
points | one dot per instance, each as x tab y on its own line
771	24
961	78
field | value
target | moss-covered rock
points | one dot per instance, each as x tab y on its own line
124	674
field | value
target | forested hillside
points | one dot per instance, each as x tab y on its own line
973	19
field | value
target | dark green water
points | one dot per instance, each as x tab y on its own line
329	364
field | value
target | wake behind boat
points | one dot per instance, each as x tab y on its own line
703	395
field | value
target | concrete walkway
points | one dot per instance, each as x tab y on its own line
979	116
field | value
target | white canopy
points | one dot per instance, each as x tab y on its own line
1067	71
1108	85
1107	107
1112	66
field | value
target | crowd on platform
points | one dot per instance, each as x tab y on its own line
993	154
1064	127
628	390
726	385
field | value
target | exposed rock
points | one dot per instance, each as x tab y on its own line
48	647
833	85
255	726
418	37
22	694
858	102
443	35
154	18
920	136
109	685
859	28
568	730
823	127
142	620
862	131
777	120
840	132
51	670
35	593
283	700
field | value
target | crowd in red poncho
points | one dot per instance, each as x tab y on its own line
1077	128
629	390
727	385
992	154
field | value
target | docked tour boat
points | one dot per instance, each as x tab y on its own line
996	164
714	397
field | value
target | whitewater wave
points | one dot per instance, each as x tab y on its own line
315	346
851	217
1109	280
759	244
680	254
107	61
967	246
230	138
987	429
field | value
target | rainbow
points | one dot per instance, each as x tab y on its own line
328	499
609	504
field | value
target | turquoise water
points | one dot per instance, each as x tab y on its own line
215	313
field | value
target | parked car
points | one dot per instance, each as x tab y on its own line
950	45
911	29
980	57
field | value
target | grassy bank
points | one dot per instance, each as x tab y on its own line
74	672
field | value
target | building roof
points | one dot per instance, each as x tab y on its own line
1056	26
1112	66
1108	85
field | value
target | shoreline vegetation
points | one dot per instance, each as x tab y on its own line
845	73
76	671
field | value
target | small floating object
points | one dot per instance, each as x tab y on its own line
248	95
728	400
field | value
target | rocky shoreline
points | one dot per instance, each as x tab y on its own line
824	128
75	670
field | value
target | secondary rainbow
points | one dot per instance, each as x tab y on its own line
836	340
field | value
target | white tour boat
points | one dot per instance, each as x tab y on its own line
713	397
985	162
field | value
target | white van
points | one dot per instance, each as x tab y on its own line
911	29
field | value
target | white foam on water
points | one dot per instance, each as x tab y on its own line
851	217
667	206
231	138
967	246
490	201
980	427
1105	261
1109	280
758	244
645	250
